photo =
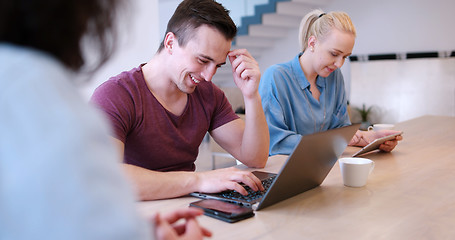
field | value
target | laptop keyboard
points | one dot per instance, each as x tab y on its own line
252	195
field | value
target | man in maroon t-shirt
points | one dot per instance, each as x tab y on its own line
161	110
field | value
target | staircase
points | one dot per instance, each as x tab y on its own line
270	22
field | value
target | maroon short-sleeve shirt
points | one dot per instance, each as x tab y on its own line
155	138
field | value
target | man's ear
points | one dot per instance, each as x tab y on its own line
169	41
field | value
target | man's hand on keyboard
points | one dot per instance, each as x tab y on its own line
227	179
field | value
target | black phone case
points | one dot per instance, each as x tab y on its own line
220	215
226	219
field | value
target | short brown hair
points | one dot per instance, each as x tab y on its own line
191	14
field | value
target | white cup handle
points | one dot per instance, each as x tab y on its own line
371	168
370	128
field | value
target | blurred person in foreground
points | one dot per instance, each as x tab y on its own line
60	176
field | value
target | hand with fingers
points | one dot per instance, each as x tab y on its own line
245	70
228	179
389	145
169	227
363	138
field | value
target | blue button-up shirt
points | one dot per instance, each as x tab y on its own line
292	111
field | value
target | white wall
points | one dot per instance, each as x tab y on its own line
138	42
166	8
404	89
386	26
400	26
390	26
401	90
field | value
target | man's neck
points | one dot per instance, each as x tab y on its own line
162	87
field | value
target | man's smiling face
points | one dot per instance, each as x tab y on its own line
199	59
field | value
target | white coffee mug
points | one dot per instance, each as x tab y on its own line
380	126
355	171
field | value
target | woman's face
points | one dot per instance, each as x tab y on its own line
331	51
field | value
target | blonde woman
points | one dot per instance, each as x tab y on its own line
307	94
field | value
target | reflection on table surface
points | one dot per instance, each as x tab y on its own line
409	195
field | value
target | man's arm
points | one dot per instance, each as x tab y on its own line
247	141
153	185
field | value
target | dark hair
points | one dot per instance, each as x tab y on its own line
191	14
58	26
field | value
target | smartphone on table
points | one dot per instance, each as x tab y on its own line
225	211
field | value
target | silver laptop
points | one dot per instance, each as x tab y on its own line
306	168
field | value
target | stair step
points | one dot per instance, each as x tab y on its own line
267	31
252	41
280	20
255	51
318	3
293	8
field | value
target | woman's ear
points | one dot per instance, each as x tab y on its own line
311	43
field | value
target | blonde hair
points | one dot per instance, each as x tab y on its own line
317	23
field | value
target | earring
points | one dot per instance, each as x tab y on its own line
312	49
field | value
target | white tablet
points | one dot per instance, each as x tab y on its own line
375	144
